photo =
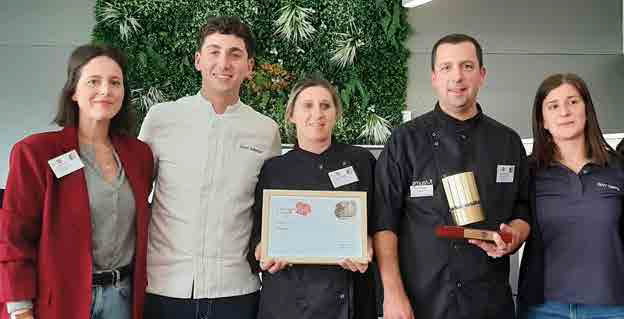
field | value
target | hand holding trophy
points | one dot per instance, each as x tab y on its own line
465	207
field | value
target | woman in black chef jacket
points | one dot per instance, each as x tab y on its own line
344	291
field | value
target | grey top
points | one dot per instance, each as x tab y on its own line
579	217
112	214
112	219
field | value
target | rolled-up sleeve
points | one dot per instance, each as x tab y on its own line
20	223
146	134
390	181
256	230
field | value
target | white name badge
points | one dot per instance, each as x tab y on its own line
343	176
65	164
505	173
421	190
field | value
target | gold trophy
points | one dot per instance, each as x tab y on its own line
463	198
465	206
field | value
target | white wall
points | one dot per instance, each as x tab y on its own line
36	37
523	42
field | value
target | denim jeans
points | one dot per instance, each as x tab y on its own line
556	310
112	302
236	307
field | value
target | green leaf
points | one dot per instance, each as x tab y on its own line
163	49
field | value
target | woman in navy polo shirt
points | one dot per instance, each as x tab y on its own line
573	264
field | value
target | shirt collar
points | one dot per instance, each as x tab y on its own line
587	168
229	109
452	122
311	154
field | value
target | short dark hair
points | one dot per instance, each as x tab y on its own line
67	115
544	148
228	25
456	38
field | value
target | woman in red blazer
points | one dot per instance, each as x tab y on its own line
73	225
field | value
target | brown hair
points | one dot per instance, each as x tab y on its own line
544	148
228	25
67	114
456	38
302	85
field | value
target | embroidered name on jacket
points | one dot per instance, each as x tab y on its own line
251	148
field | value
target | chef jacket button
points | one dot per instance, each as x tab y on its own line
459	284
341	296
436	143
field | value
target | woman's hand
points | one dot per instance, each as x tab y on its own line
270	265
348	264
23	314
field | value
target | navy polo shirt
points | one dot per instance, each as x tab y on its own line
579	218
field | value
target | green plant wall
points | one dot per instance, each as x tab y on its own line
159	37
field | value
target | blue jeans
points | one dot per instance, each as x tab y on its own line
112	302
236	307
556	310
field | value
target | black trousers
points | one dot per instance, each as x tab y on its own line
236	307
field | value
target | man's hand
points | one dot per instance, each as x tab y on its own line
270	265
519	231
396	305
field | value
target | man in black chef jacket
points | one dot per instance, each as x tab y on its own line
423	276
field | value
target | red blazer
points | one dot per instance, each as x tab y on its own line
45	227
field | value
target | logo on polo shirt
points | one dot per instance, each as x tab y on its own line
605	185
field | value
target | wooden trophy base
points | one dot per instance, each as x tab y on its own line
457	232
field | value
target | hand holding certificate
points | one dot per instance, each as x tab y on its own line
314	227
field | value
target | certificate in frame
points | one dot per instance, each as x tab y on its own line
314	227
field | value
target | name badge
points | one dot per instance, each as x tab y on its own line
421	190
343	176
65	164
505	173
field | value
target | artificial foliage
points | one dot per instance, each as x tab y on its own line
356	44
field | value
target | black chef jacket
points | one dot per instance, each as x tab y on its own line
446	279
315	291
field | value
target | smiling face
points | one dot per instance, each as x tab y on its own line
457	77
314	115
563	112
99	91
223	63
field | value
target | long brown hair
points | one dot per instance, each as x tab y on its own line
544	148
67	114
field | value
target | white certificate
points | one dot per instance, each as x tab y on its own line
314	227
